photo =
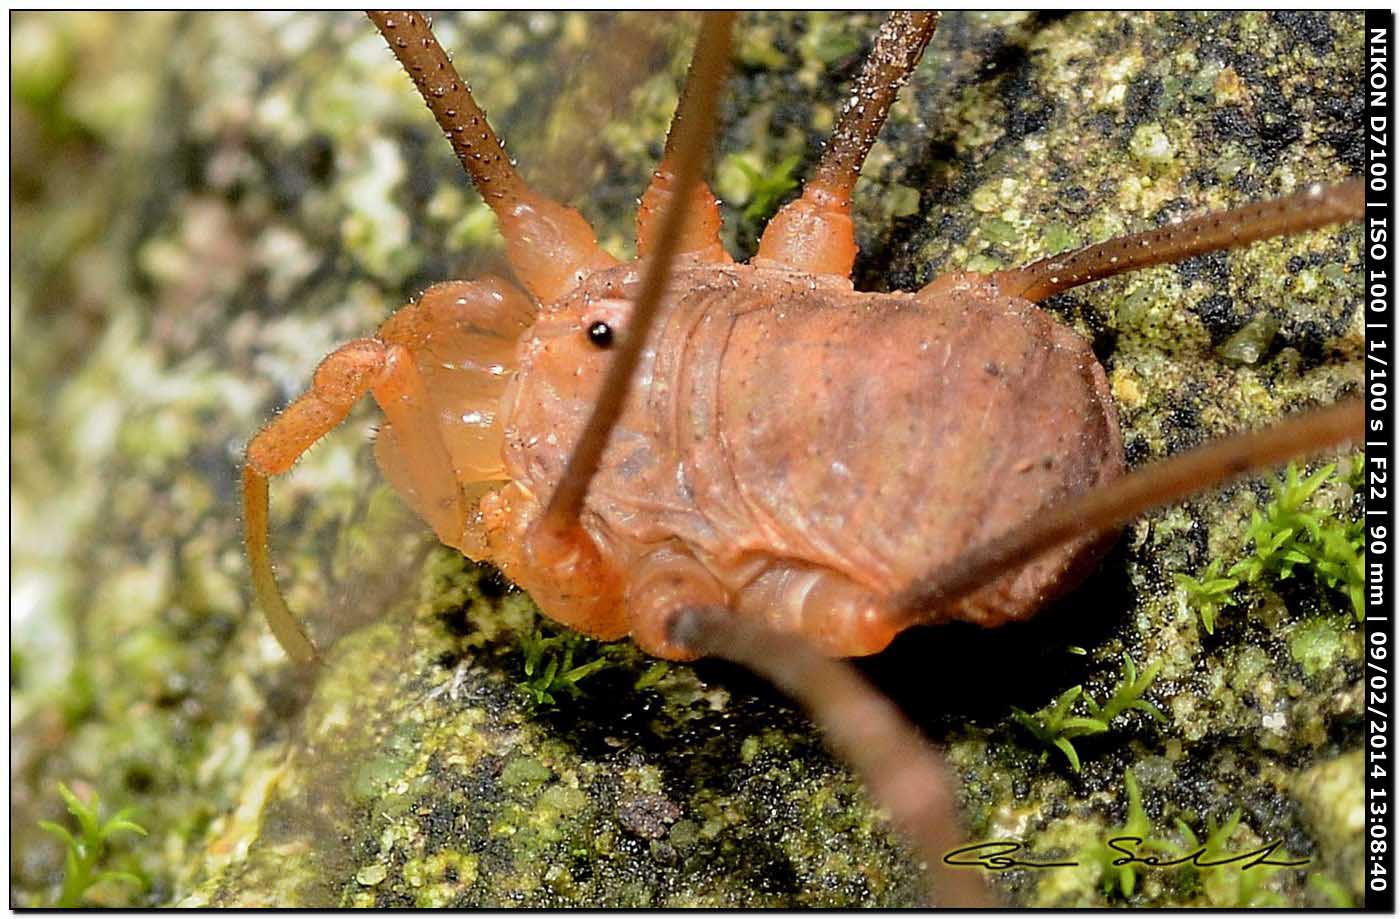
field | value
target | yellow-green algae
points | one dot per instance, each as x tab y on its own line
205	204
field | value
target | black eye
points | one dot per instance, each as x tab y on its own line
600	333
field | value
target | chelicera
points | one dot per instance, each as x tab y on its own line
783	468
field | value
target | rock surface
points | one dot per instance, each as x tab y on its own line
206	204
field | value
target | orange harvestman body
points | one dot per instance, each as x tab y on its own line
798	463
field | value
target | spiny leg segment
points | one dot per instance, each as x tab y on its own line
814	233
1317	206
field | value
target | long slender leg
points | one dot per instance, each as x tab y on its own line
699	235
364	366
558	533
550	246
1315	207
1112	506
815	233
903	773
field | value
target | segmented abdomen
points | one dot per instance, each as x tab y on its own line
817	448
878	436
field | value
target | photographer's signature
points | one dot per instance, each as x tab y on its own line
997	856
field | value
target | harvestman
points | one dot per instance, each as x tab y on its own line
464	448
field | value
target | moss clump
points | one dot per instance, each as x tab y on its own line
85	852
1290	534
1056	726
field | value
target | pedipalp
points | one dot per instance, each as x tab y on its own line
427	461
363	366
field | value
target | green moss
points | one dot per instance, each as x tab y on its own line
1209	593
559	662
523	775
760	189
87	850
1288	537
1121	880
1056	725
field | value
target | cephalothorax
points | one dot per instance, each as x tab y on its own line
812	460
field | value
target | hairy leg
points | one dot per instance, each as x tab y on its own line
1317	206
